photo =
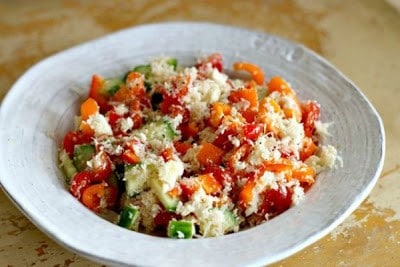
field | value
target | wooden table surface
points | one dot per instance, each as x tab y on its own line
360	37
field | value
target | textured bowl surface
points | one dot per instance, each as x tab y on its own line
40	107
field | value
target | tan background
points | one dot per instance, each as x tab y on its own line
360	37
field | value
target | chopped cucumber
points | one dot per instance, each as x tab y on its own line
170	203
143	69
173	62
128	216
83	153
158	130
135	177
111	86
231	222
180	229
67	166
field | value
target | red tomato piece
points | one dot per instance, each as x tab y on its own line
92	196
182	148
276	201
310	114
220	174
163	217
252	131
101	167
73	138
214	59
110	196
79	183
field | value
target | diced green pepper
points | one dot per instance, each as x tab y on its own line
128	216
111	86
180	229
173	62
143	69
83	153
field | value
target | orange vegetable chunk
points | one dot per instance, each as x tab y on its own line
88	108
210	154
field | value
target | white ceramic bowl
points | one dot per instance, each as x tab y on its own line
40	107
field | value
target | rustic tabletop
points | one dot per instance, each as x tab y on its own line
360	37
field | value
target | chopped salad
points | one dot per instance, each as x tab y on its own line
190	152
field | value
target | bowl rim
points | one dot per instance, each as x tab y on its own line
39	222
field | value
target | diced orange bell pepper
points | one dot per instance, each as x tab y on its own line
210	154
174	192
280	85
209	183
256	72
246	94
86	129
129	156
304	174
167	153
277	166
246	193
89	107
308	149
218	111
96	92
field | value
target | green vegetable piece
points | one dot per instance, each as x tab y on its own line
173	62
170	203
128	216
111	86
143	69
180	229
67	166
170	133
83	153
230	221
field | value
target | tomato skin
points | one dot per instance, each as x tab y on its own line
181	147
276	201
220	174
92	196
80	182
102	167
214	59
310	114
163	217
73	138
252	131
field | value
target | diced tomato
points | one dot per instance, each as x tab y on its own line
162	218
181	147
113	118
110	196
221	174
79	183
73	138
222	140
92	195
188	130
101	167
188	190
276	201
310	114
214	59
251	131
